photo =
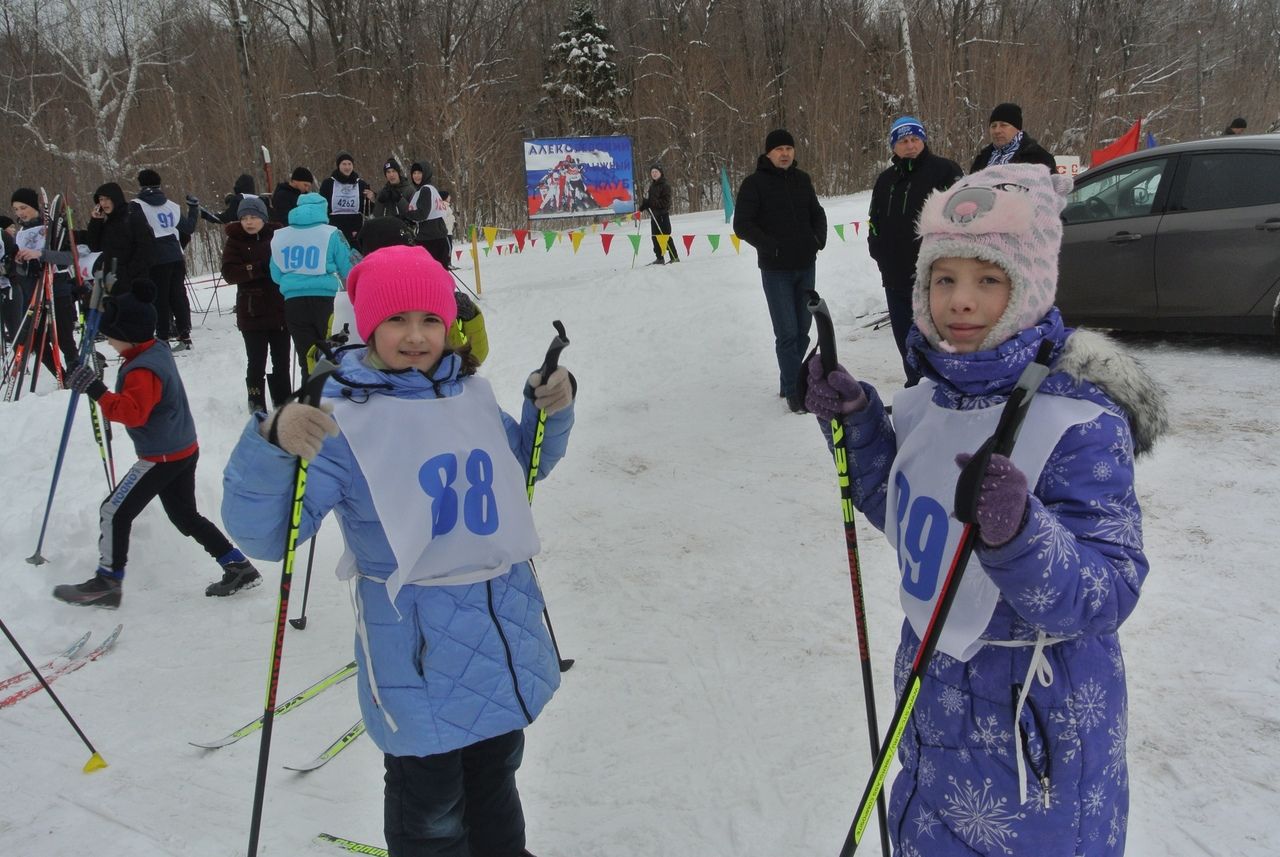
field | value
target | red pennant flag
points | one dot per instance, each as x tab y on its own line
606	238
1129	142
855	227
458	253
688	242
520	234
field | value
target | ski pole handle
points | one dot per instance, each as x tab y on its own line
826	332
558	344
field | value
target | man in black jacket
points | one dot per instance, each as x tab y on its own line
120	232
896	201
657	201
778	213
393	199
1009	143
285	197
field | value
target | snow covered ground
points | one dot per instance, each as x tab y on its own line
694	565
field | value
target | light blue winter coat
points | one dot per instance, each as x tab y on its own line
313	210
459	664
1073	571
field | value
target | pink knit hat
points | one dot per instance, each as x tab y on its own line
1008	215
399	279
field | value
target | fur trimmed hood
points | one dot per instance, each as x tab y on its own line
1092	357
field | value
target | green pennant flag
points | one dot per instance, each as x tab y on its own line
548	238
715	242
635	244
840	230
486	250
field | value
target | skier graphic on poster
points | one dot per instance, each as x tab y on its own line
579	176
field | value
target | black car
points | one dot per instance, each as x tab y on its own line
1184	237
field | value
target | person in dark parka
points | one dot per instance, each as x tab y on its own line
657	201
778	213
1009	143
120	232
899	194
286	194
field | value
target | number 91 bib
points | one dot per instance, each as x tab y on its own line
448	491
920	521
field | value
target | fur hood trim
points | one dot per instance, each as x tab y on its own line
1091	357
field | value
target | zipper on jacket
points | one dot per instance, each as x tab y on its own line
506	647
1043	778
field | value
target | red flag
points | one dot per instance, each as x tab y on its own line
688	242
520	236
1128	142
606	239
459	252
856	224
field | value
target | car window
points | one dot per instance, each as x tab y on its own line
1128	191
1230	180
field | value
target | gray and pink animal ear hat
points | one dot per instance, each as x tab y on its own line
1008	215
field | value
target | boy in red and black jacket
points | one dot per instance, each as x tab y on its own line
151	403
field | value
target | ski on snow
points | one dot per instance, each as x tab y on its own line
353	847
66	654
63	669
333	678
346	740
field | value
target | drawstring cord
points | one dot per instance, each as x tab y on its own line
1038	670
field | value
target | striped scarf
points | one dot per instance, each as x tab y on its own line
1004	154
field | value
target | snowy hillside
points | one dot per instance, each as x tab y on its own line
694	565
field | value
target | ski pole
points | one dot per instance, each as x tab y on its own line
968	487
827	351
87	351
95	760
549	364
463	284
301	622
86	348
310	396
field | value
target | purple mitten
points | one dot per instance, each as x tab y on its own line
1002	501
835	395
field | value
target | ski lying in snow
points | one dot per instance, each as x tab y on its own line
335	677
348	738
66	654
353	847
69	667
878	322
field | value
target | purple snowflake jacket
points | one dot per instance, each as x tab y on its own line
1073	574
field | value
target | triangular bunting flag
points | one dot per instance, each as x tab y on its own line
520	234
576	237
606	238
663	241
688	242
604	225
737	243
458	253
485	249
855	227
635	244
548	238
840	230
715	242
594	227
490	233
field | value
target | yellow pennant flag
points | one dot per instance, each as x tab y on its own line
737	243
576	237
490	234
663	241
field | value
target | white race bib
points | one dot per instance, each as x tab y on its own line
449	492
919	511
163	219
86	260
31	238
302	251
430	202
346	198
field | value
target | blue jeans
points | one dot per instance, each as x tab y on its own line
787	293
462	803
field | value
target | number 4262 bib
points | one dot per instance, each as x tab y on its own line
920	521
448	491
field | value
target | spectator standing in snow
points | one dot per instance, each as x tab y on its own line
348	196
243	187
1023	708
426	211
1009	143
393	199
899	194
286	194
1237	126
120	233
657	201
778	213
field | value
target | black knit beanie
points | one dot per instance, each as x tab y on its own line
344	156
778	137
130	317
302	174
148	178
1007	112
26	196
392	164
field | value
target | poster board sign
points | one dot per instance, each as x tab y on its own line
578	177
1068	165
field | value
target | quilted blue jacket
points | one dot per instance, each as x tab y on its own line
459	664
1074	571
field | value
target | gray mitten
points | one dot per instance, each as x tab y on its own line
300	429
556	394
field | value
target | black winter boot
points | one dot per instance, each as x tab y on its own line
97	591
235	576
279	386
257	398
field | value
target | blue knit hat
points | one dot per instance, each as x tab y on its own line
906	126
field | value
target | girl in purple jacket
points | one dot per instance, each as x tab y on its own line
1016	744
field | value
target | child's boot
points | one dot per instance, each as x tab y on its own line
101	590
237	573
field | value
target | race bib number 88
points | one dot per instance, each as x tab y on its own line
479	505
